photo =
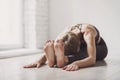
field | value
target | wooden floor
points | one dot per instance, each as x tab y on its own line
11	69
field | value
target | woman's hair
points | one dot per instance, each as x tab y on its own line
71	42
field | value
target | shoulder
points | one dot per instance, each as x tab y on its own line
88	29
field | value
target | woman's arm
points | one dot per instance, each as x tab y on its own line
91	49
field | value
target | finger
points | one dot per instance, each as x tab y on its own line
30	66
26	66
64	67
73	68
68	68
38	65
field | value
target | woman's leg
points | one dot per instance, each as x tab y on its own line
101	50
59	53
50	53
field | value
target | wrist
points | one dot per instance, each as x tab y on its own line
76	63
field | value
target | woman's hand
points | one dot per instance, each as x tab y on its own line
37	64
71	67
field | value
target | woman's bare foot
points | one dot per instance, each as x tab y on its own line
59	53
49	52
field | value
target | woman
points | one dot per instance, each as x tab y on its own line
91	49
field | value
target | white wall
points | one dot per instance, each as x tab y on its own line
35	23
10	24
104	14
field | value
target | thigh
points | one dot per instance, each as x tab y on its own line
101	50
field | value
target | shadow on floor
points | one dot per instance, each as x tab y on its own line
100	63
